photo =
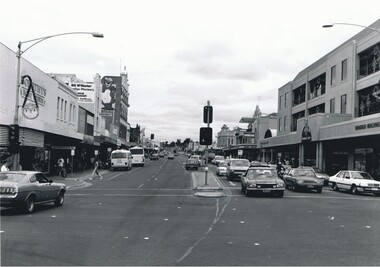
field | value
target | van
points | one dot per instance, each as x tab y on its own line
138	155
121	159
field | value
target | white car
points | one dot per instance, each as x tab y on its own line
355	181
198	158
222	168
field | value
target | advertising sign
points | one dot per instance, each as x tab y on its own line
111	98
85	91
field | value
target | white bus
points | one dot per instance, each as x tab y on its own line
138	156
121	159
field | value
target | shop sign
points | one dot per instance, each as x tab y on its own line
63	147
367	126
306	132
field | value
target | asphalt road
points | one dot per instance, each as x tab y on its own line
150	216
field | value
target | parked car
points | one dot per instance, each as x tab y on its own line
302	178
221	169
170	156
25	189
355	181
154	156
236	168
320	174
191	164
262	179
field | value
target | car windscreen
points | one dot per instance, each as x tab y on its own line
119	155
361	175
11	177
137	151
222	164
240	163
261	174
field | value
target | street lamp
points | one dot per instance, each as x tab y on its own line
16	157
350	24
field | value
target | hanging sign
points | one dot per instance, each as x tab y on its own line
30	110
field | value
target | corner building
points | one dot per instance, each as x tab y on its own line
329	115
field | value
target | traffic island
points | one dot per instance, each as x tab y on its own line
211	189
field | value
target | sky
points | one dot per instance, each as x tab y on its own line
181	54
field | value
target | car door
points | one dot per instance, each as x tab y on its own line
345	181
47	190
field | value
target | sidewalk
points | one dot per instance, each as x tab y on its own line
77	179
212	189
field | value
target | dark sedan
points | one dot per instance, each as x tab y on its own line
262	179
302	178
25	189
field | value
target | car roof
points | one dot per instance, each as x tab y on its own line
23	172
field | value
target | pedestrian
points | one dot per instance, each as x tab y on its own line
96	166
6	166
60	163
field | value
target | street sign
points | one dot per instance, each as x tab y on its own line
205	136
207	114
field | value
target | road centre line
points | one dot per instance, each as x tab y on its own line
141	185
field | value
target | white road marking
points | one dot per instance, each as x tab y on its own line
232	183
141	185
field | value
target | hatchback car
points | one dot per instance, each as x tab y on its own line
170	156
302	178
262	179
25	189
236	168
355	181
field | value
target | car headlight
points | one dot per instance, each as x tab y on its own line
300	181
251	185
280	185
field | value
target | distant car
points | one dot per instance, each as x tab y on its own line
355	181
198	158
262	179
191	164
25	189
154	156
161	154
217	159
170	156
236	168
302	178
221	168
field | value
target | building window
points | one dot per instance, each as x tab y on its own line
369	100
344	70
280	124
297	116
58	101
317	109
317	86
343	104
61	115
299	95
286	100
333	75
280	102
64	118
369	61
332	105
285	123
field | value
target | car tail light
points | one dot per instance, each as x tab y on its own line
8	190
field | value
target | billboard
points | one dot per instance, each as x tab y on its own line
111	100
85	91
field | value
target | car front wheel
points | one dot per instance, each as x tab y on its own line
354	190
335	187
59	200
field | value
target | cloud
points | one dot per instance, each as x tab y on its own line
217	61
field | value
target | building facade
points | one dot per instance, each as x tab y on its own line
329	115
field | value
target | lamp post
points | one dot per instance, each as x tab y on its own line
350	24
16	156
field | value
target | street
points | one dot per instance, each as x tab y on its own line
150	216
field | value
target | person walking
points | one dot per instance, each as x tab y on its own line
61	164
96	166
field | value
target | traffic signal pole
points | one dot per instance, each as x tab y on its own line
206	158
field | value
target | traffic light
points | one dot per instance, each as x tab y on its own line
13	136
205	136
151	136
207	114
